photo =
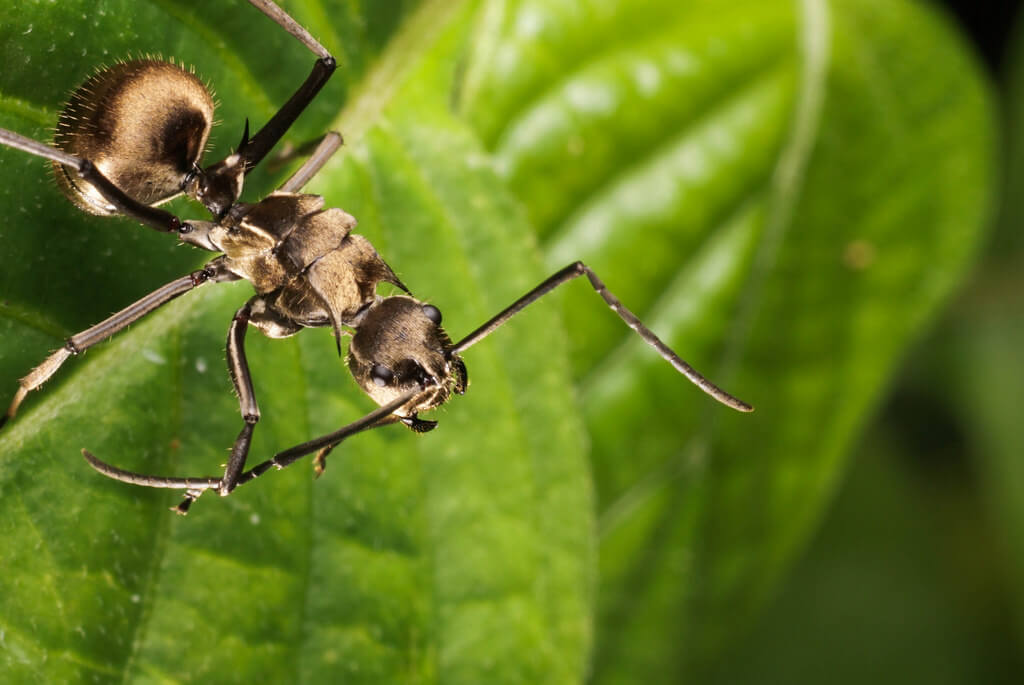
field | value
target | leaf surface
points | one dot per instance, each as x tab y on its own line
786	191
462	556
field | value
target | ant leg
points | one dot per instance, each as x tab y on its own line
290	151
194	487
414	422
238	367
156	218
323	152
381	416
575	270
214	271
320	460
257	147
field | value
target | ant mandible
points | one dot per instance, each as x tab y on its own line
132	137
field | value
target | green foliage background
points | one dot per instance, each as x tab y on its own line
786	191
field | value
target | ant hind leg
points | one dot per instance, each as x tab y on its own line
257	147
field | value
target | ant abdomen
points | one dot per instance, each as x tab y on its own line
142	123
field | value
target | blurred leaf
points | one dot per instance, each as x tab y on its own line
1008	242
988	390
902	583
978	370
785	191
463	556
973	372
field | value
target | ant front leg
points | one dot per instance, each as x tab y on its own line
382	416
194	487
414	422
212	272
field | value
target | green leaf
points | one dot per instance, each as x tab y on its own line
462	556
901	584
785	191
978	371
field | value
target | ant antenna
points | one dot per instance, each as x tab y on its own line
576	270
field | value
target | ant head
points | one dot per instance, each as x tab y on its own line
399	345
143	124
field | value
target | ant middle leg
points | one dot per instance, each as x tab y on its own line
241	377
79	342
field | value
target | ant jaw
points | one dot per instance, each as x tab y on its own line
418	425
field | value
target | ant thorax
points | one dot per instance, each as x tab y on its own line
304	259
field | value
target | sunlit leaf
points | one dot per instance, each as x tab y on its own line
786	191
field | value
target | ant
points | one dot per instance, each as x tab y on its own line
132	137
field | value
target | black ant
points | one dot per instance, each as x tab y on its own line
133	136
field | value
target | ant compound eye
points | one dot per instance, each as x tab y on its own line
381	375
432	313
